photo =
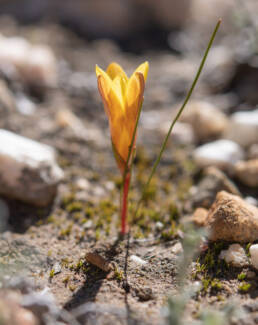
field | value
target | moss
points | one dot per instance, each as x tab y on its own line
183	188
72	287
74	206
89	211
173	212
66	280
209	259
39	223
118	274
208	267
65	232
247	249
171	232
244	287
51	219
67	199
65	262
51	273
49	253
205	284
151	192
97	234
216	284
138	234
241	276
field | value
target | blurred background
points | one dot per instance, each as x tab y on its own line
59	200
48	91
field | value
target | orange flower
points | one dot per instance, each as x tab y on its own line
122	98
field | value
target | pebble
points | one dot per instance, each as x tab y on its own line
247	172
88	224
214	181
82	184
65	118
200	217
7	101
144	293
207	121
159	225
24	105
253	250
12	313
34	64
251	200
250	275
137	260
221	153
28	169
234	255
243	128
183	133
42	304
253	151
177	248
232	219
57	268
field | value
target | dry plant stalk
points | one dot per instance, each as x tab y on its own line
99	261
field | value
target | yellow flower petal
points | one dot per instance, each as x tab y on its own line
119	86
144	69
114	70
134	98
122	98
111	90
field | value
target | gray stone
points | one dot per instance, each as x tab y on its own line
214	181
207	121
247	172
243	128
28	169
221	153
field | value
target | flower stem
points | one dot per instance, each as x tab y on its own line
124	199
164	144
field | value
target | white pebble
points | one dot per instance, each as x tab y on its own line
82	184
253	250
137	260
234	255
251	200
159	225
28	169
243	128
35	64
220	153
177	248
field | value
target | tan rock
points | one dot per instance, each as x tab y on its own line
231	219
34	64
207	120
247	172
13	314
200	217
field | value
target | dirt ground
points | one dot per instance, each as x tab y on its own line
49	245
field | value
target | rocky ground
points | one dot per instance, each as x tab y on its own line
60	192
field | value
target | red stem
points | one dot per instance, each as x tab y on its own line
124	198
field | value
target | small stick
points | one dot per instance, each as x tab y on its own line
99	261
